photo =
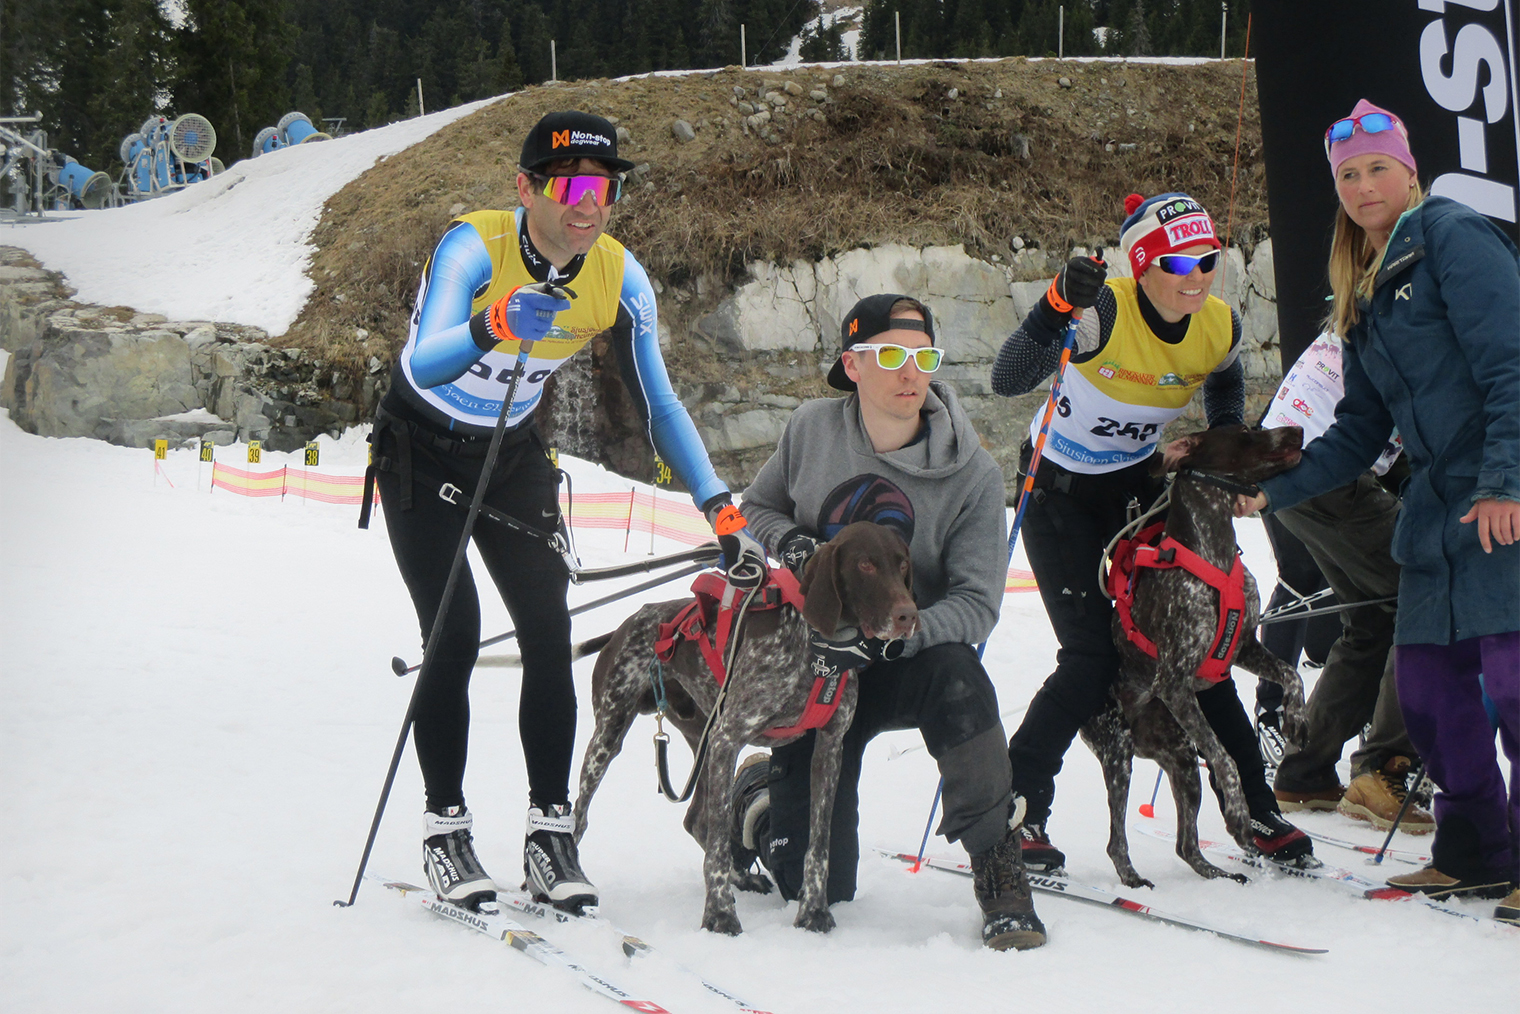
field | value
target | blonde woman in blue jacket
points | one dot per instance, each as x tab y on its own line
1427	297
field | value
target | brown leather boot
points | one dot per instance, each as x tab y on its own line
1377	795
1008	917
1432	883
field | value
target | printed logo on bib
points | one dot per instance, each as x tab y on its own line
1111	370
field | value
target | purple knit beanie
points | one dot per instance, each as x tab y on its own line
1393	143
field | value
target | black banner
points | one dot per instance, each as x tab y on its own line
1447	68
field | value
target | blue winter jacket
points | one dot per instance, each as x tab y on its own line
1436	353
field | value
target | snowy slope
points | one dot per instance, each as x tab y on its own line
234	248
198	716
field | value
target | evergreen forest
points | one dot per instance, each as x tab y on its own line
96	69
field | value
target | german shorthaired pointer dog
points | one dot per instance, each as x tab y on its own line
861	578
1153	710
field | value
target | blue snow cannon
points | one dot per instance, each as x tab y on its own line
90	189
296	128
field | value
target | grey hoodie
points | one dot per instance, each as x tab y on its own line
945	491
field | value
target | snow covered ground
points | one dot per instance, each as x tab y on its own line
198	716
199	710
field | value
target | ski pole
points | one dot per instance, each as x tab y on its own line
1419	776
923	846
400	668
428	652
1018	514
1149	809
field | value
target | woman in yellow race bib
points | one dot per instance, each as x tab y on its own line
1146	345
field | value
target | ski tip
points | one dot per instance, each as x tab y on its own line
1294	947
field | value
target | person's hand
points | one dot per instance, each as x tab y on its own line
526	312
1245	506
1078	285
796	548
743	557
1498	521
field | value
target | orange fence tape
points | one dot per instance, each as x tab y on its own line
636	511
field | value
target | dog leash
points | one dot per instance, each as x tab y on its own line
1132	527
662	738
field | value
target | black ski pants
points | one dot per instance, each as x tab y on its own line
1067	526
1297	575
1349	531
532	580
944	692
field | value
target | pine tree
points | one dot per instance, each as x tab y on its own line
232	67
1139	32
533	45
92	68
509	76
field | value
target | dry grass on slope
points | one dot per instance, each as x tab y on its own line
896	158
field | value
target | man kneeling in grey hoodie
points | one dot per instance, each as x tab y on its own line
899	451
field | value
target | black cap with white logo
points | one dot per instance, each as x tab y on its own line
571	135
869	318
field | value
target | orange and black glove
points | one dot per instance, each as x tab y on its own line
743	556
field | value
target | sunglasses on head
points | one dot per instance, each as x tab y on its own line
892	357
1368	123
1181	264
570	190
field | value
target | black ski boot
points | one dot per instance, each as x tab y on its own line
551	862
1008	917
449	860
750	837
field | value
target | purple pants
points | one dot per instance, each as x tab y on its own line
1477	830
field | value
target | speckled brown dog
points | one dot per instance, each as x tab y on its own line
862	578
1153	709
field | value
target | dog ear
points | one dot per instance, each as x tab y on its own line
1186	445
821	605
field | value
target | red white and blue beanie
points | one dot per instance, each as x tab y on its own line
1160	225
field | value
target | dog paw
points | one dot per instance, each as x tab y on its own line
819	921
1295	731
1209	871
725	922
749	880
1133	879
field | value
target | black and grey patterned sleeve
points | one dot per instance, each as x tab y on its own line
1224	391
1031	353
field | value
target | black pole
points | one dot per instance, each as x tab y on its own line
487	467
1419	776
400	668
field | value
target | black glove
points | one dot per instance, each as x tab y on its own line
1077	286
846	649
796	548
743	557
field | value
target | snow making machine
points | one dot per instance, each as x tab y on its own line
165	155
293	128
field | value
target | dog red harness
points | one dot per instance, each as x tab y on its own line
1150	549
713	610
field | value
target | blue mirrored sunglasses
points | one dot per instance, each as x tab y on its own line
1181	264
1368	123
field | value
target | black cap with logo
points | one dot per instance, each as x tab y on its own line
869	318
571	135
